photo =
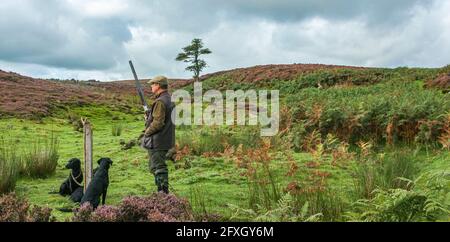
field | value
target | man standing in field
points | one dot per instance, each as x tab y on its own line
159	134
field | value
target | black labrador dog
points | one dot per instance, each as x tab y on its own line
77	195
75	179
99	184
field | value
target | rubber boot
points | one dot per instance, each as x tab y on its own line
162	182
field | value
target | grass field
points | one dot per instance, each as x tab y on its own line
129	173
213	184
370	147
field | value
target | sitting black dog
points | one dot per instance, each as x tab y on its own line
99	184
75	179
77	195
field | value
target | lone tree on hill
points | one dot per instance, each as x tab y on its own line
191	55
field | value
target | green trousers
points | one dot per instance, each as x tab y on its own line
158	167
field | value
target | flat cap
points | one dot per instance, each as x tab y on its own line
161	80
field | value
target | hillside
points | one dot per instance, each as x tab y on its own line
28	97
260	73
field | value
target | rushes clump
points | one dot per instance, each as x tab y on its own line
40	160
385	171
116	129
9	166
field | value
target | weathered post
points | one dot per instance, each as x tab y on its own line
87	152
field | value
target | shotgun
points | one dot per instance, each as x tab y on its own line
139	89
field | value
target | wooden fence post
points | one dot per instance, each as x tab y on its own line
87	130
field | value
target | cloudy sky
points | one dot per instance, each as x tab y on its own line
94	39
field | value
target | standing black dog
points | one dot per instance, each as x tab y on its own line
99	184
73	182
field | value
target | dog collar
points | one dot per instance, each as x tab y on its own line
75	179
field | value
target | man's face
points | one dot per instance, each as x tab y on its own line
155	88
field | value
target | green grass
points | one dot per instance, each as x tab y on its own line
212	184
129	174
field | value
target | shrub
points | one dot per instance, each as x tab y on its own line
83	214
210	141
158	207
393	111
40	214
134	209
424	201
15	209
185	140
444	139
285	211
429	132
40	160
105	214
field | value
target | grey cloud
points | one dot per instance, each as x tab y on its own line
418	42
50	33
202	15
292	10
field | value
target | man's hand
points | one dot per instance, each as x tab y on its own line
141	135
146	115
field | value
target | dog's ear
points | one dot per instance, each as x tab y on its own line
76	162
72	163
99	161
110	161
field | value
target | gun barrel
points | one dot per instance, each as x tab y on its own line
138	87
